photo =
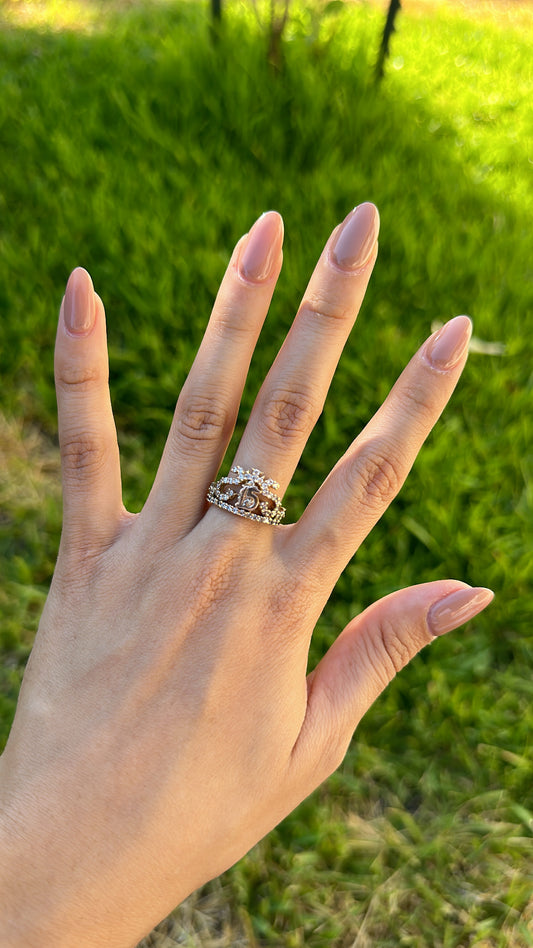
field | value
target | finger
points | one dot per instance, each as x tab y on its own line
364	482
207	407
293	394
366	657
92	497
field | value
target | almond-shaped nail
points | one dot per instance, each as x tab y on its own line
456	608
356	239
262	248
446	347
78	304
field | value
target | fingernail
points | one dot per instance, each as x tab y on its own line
356	239
262	249
78	304
445	348
457	608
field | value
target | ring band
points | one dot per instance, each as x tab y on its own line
248	494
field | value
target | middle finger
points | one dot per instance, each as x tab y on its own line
293	393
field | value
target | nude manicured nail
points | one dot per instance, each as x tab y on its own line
356	239
445	348
262	248
456	608
78	304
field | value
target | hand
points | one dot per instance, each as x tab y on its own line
165	722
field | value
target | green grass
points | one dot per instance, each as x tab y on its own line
132	146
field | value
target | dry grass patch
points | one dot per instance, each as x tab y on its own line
29	467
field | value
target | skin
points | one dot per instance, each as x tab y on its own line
165	722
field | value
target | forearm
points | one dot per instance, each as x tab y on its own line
63	883
37	911
47	898
27	899
35	900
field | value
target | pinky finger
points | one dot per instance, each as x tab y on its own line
366	657
92	494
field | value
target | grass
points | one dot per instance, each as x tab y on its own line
134	147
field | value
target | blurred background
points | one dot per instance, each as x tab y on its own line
141	140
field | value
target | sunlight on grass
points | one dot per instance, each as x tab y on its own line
75	15
52	15
503	13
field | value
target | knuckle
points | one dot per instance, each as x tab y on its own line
387	651
288	605
77	569
82	455
230	320
379	478
202	419
71	377
320	309
214	568
418	405
333	739
289	413
214	575
209	588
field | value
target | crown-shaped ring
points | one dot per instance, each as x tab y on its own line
248	493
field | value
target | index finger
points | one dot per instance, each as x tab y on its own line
367	478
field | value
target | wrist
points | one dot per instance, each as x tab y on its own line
52	894
24	901
35	900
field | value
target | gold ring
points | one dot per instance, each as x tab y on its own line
248	494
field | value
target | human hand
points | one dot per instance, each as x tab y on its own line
165	722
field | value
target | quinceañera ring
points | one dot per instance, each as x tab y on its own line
248	494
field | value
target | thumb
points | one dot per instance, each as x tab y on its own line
365	658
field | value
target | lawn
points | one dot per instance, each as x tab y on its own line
133	145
